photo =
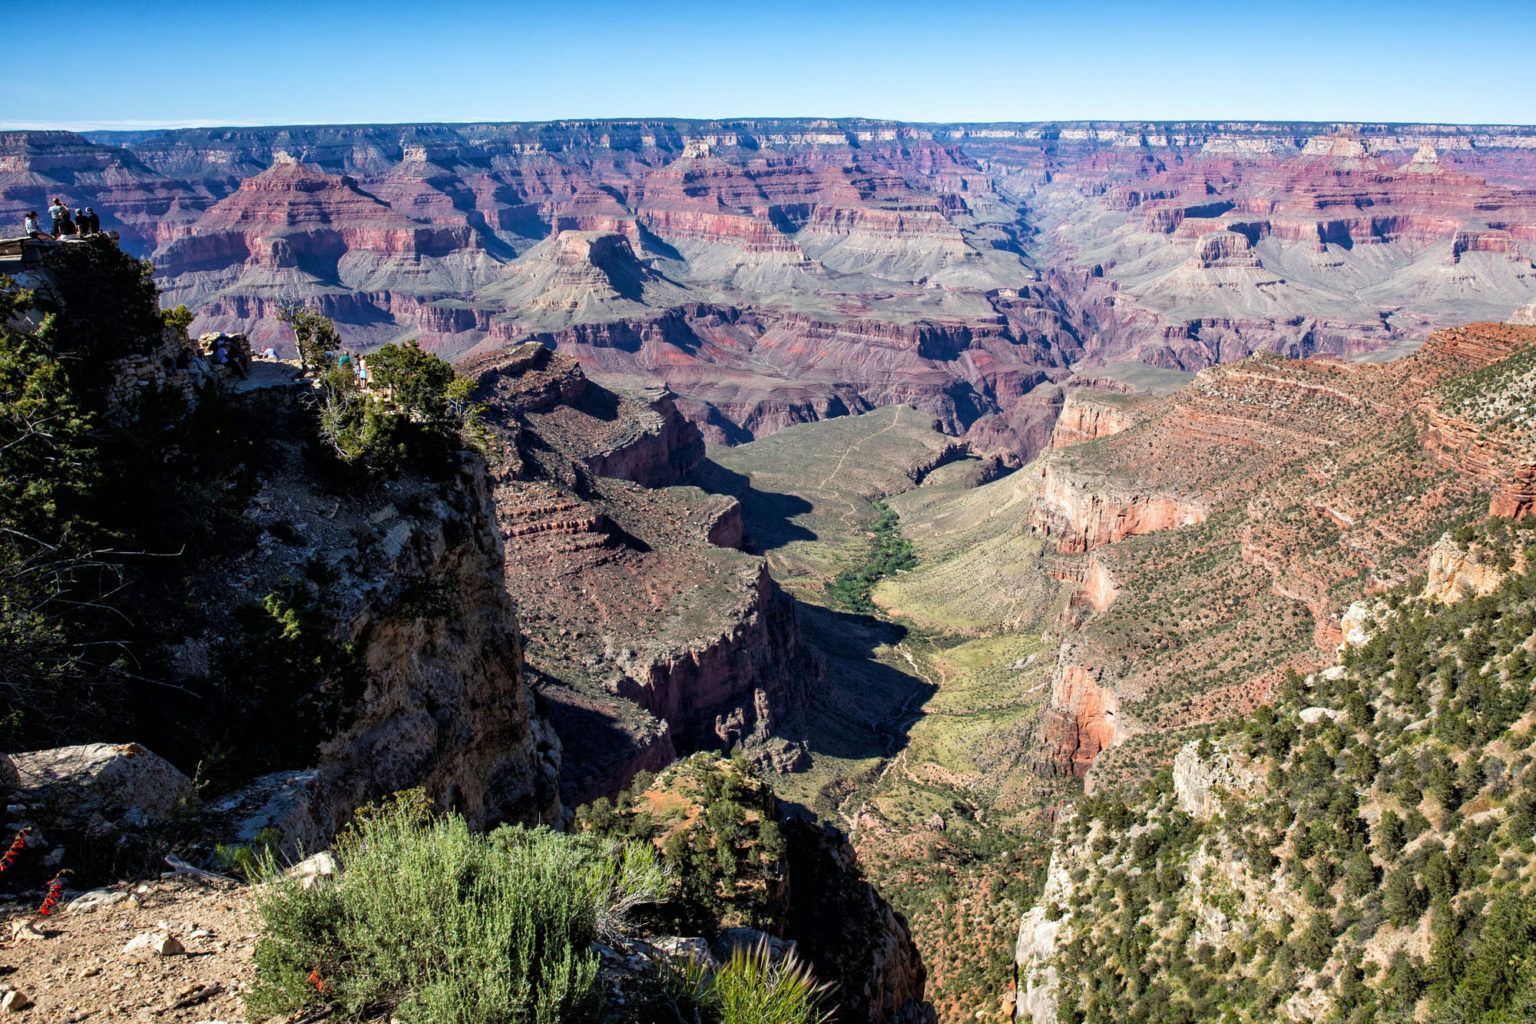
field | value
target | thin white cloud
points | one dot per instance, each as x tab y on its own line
95	126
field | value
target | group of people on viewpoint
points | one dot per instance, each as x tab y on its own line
85	222
65	225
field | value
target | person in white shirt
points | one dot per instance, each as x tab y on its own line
31	228
60	214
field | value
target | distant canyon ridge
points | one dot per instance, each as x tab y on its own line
776	271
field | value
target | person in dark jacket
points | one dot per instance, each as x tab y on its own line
94	227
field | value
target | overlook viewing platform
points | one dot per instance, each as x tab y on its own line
21	253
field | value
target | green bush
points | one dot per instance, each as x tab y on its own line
285	683
416	412
750	988
178	319
889	552
314	335
724	853
437	924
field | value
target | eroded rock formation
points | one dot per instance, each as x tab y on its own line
650	634
350	629
1082	719
446	705
1089	414
1310	475
1078	513
860	944
417	592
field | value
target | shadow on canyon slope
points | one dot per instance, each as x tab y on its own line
866	708
598	402
767	515
604	743
655	245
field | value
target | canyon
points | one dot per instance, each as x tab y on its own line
1162	411
772	272
1259	501
335	639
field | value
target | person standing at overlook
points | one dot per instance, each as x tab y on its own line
60	214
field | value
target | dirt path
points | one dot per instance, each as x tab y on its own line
268	374
902	650
895	730
78	969
821	488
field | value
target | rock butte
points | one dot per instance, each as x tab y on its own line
650	634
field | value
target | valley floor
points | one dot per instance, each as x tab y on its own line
923	736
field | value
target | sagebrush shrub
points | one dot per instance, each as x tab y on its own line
441	925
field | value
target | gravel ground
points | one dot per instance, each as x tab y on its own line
73	966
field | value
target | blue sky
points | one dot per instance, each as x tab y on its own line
283	62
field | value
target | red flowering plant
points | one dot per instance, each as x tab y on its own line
55	890
17	845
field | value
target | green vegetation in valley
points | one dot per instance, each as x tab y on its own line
935	675
807	492
889	553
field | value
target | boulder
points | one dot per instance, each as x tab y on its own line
1199	782
1355	624
679	947
154	943
96	899
95	783
749	939
1455	573
311	871
280	806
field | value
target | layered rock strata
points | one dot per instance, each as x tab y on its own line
650	634
774	271
1089	414
1317	480
1078	513
1082	719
